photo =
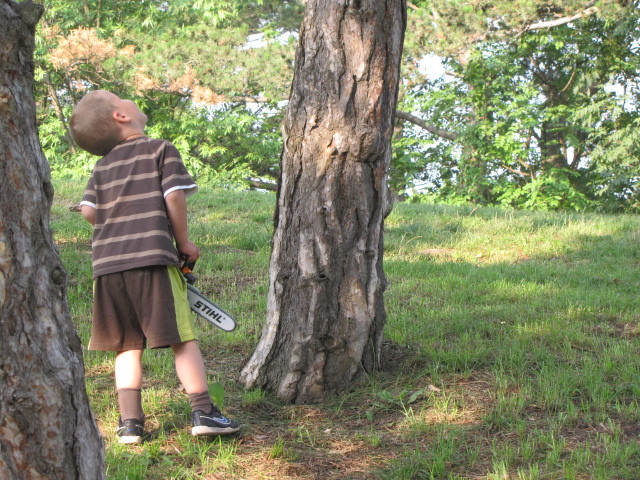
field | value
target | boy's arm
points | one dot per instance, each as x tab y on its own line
176	203
89	213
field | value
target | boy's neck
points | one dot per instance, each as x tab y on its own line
135	135
127	132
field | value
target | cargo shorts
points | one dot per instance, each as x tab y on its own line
138	308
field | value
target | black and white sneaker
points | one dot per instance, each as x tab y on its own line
213	423
130	431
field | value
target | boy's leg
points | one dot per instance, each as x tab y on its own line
128	372
207	419
190	367
129	384
128	368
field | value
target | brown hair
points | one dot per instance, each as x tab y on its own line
93	127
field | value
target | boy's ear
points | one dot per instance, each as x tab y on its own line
120	117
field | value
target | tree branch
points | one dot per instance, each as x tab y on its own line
55	102
573	75
537	71
272	187
453	74
427	126
577	156
241	99
560	21
517	172
516	33
535	135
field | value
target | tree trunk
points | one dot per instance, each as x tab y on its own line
325	307
46	427
551	146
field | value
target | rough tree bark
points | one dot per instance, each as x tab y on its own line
325	305
46	427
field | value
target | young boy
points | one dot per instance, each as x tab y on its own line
136	201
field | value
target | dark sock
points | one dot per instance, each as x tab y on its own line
130	402
200	401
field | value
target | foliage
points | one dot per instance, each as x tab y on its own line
452	28
523	104
552	190
532	108
189	66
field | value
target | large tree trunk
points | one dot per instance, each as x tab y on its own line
325	306
46	427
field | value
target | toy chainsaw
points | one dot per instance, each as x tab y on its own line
202	305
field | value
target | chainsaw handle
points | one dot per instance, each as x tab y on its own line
187	269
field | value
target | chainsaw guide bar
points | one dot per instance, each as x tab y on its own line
209	310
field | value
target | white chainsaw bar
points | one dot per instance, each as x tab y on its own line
209	310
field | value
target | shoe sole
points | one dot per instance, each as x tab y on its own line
202	431
130	439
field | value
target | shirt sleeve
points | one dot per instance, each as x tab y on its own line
89	196
173	173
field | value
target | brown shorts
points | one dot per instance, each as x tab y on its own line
140	307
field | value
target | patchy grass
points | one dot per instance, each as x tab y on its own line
512	352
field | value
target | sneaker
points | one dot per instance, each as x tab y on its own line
130	431
213	423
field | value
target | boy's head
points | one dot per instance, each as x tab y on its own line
101	120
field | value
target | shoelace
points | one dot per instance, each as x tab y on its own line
216	413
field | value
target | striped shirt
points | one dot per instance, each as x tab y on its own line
127	188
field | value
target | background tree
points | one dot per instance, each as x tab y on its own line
46	427
524	117
209	74
527	101
325	304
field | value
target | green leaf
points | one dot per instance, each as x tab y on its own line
414	396
216	391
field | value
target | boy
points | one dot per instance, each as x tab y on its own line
136	201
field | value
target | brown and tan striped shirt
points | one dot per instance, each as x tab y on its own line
127	188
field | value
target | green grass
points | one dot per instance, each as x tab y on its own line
512	352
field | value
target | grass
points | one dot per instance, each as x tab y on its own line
512	352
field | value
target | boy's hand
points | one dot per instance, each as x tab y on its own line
189	250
